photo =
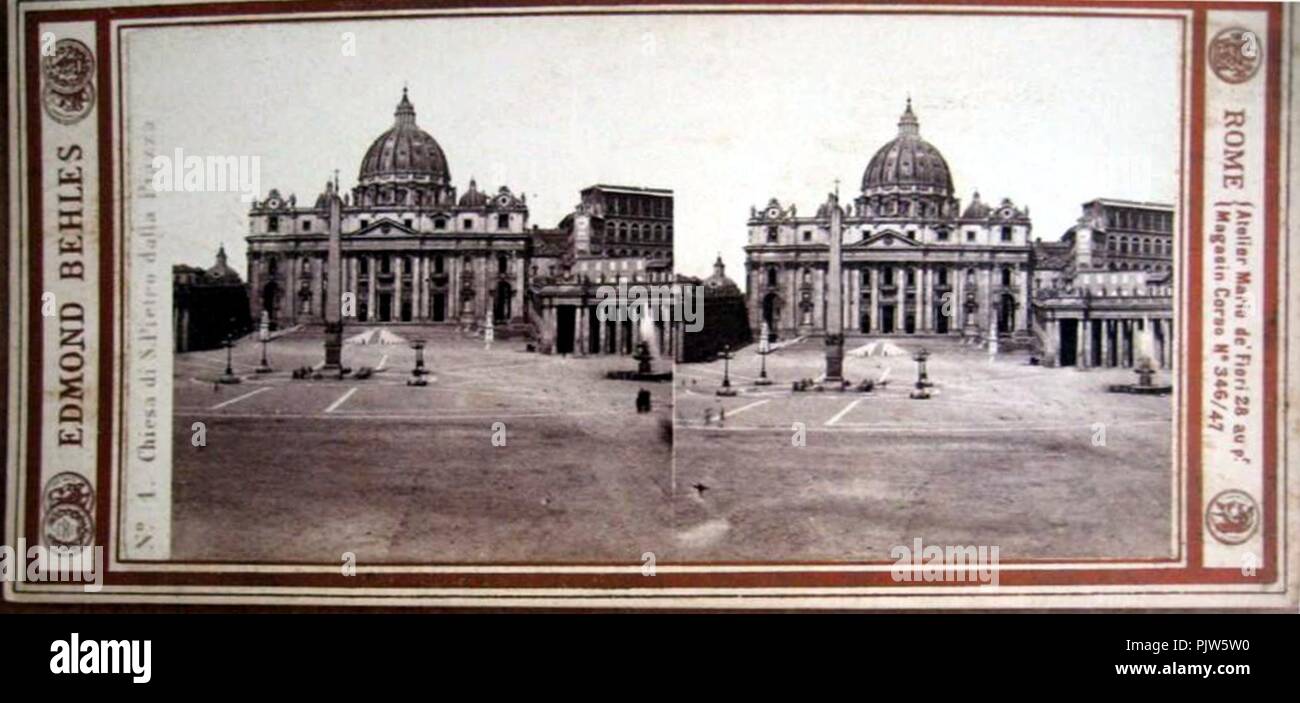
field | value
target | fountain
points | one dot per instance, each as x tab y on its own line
1145	369
647	350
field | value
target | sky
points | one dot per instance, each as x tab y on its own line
726	110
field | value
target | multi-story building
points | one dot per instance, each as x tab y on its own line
1128	235
623	221
1104	292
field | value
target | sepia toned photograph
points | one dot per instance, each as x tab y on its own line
624	307
959	294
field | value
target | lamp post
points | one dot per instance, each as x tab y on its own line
264	333
726	389
418	373
763	351
922	379
229	376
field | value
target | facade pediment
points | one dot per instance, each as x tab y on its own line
887	239
385	227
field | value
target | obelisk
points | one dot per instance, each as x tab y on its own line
334	281
834	298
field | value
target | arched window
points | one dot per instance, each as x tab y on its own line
771	275
503	264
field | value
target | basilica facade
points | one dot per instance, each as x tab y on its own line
416	250
914	260
413	248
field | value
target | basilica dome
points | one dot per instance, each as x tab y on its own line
404	153
907	162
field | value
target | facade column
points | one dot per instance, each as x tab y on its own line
399	266
356	285
846	298
521	284
874	322
985	277
919	323
372	313
1126	343
927	300
580	334
1022	310
417	286
959	304
1054	341
1080	347
1106	357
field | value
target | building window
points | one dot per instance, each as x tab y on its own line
866	277
771	276
771	235
942	235
1006	276
406	264
943	277
440	223
385	264
438	264
273	224
306	225
365	264
911	277
365	223
911	234
1006	233
503	221
807	235
467	223
409	224
970	235
503	264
